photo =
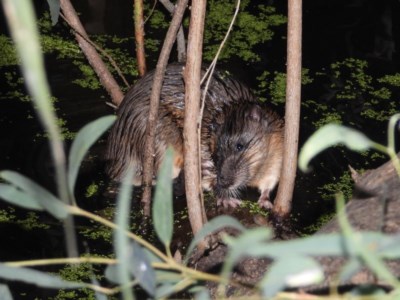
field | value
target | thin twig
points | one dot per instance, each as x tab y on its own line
180	39
102	51
209	73
148	164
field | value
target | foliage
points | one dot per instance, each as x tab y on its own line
8	55
254	27
78	273
7	215
249	31
274	85
92	190
352	88
137	263
342	184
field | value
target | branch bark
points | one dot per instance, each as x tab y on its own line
180	40
154	103
283	199
106	78
139	37
192	109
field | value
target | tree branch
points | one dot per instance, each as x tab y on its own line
91	54
282	203
139	37
154	103
192	110
180	40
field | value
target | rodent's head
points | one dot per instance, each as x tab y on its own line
242	147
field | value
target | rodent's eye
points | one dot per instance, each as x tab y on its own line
239	147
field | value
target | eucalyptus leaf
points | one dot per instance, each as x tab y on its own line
36	277
140	267
389	246
24	30
331	135
367	253
35	192
5	293
111	273
238	247
162	206
203	294
121	241
168	276
98	295
151	256
333	244
291	272
82	142
164	290
54	10
212	226
349	269
15	196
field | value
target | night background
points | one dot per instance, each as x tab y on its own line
350	76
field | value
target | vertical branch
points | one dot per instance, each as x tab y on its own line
192	110
106	79
283	199
154	103
180	40
139	36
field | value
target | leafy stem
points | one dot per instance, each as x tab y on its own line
168	264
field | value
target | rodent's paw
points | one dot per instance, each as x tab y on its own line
264	203
228	202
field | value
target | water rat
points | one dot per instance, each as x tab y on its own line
127	137
249	153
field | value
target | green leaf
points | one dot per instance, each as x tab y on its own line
36	277
54	10
212	226
330	135
141	269
163	218
83	141
5	293
97	294
238	247
168	276
333	244
23	26
165	290
291	272
121	241
349	269
203	294
15	196
36	193
367	253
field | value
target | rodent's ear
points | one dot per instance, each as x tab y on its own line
254	113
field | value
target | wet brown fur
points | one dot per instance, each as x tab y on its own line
126	141
249	152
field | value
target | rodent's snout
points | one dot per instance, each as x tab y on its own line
226	173
223	181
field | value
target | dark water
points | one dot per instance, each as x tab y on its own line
333	30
